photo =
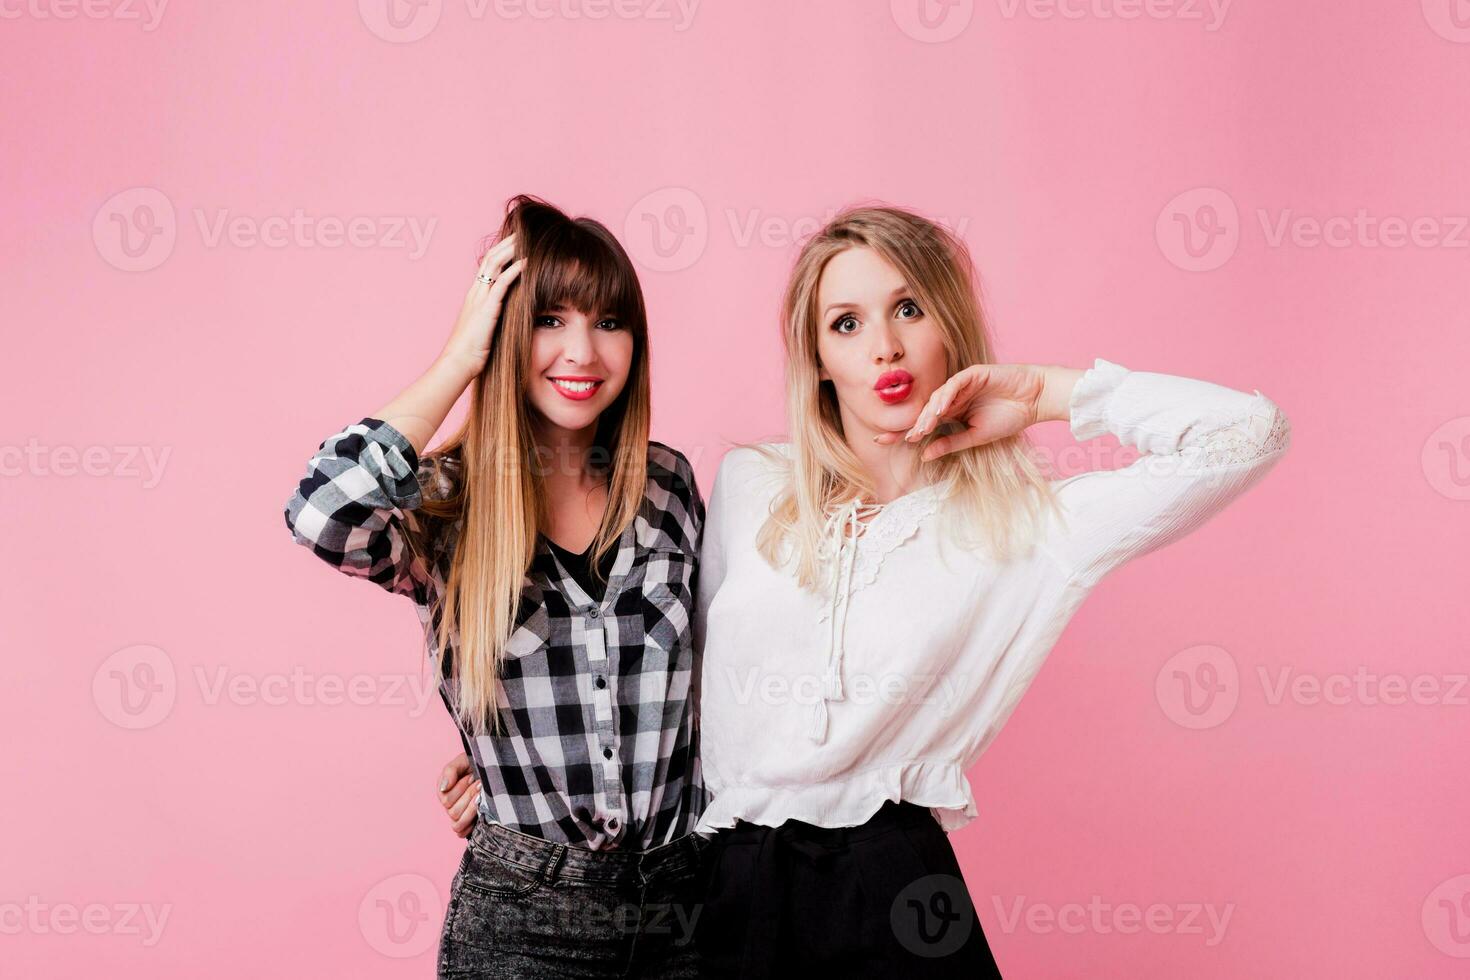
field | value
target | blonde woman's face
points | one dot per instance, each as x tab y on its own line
579	365
882	352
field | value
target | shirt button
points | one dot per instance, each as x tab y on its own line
606	753
594	613
601	681
612	823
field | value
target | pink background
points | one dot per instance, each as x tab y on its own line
269	823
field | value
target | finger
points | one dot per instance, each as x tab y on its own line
945	445
467	819
497	255
466	801
886	438
455	793
453	769
503	282
929	415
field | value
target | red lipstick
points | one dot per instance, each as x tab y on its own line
894	386
576	387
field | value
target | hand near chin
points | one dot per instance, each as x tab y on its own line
991	401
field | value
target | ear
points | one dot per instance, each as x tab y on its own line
822	374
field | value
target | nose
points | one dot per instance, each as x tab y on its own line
886	346
577	344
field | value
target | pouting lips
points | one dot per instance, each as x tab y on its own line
894	386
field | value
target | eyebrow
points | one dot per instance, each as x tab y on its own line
903	287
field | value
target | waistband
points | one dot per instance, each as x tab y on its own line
555	860
890	816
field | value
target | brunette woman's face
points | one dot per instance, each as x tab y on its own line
579	365
883	354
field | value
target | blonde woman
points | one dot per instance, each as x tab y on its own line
877	593
549	548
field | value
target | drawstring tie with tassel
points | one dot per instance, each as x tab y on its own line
844	553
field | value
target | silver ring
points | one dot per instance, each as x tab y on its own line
487	280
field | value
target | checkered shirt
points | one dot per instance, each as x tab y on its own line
599	747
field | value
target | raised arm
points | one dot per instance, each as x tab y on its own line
1204	445
354	506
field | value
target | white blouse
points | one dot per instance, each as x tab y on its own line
890	682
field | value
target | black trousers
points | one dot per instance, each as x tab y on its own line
883	899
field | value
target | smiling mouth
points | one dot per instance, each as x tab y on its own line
576	389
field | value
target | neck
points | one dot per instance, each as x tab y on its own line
564	457
893	470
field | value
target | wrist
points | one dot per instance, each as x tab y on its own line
461	368
1055	403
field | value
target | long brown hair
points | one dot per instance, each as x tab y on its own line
500	496
997	487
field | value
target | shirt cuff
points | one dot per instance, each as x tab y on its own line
1091	396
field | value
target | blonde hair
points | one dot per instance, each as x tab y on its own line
499	494
997	490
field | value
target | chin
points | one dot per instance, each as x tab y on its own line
572	417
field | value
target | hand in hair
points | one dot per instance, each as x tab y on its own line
991	401
459	793
470	341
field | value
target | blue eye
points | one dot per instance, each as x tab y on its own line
909	304
843	320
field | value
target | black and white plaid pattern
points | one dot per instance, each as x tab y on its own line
599	748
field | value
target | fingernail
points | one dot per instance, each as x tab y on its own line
444	785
